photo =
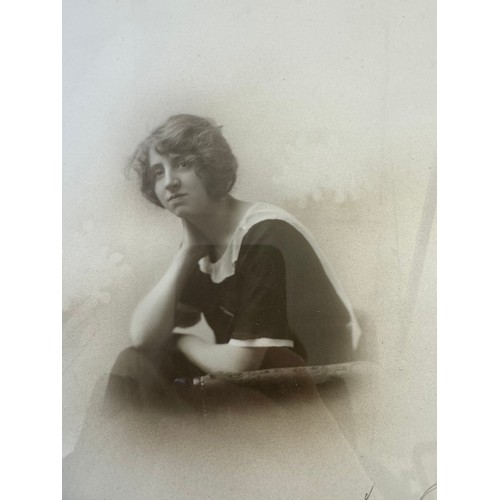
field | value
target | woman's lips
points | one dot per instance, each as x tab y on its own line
176	196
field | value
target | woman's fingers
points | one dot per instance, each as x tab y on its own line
193	238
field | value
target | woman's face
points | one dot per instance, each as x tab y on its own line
177	186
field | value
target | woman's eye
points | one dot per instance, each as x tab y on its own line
158	173
182	164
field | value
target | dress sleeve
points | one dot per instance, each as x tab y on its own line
287	297
261	319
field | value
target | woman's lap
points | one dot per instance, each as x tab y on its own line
215	427
166	379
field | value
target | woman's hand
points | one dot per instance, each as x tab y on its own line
193	241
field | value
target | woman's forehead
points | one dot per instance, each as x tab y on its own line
156	156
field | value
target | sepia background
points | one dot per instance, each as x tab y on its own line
330	109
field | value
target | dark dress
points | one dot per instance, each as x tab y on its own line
271	288
278	296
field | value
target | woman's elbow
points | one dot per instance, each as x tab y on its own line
136	340
136	331
141	335
137	336
142	341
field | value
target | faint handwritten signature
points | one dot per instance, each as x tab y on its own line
367	495
426	492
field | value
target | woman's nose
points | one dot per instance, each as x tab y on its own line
171	179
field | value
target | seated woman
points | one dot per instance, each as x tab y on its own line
251	269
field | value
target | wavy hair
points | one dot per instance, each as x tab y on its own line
198	139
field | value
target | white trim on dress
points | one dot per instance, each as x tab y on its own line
261	342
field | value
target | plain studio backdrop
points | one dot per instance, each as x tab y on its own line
330	109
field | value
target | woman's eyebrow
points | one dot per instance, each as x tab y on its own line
176	159
173	159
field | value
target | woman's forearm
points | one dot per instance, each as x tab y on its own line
220	357
153	318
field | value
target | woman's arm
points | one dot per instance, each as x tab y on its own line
220	357
153	318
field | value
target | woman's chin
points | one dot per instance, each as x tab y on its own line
180	212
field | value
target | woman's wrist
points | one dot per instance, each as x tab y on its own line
192	253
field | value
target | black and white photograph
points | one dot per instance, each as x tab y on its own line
249	250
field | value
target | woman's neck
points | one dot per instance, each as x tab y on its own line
220	223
